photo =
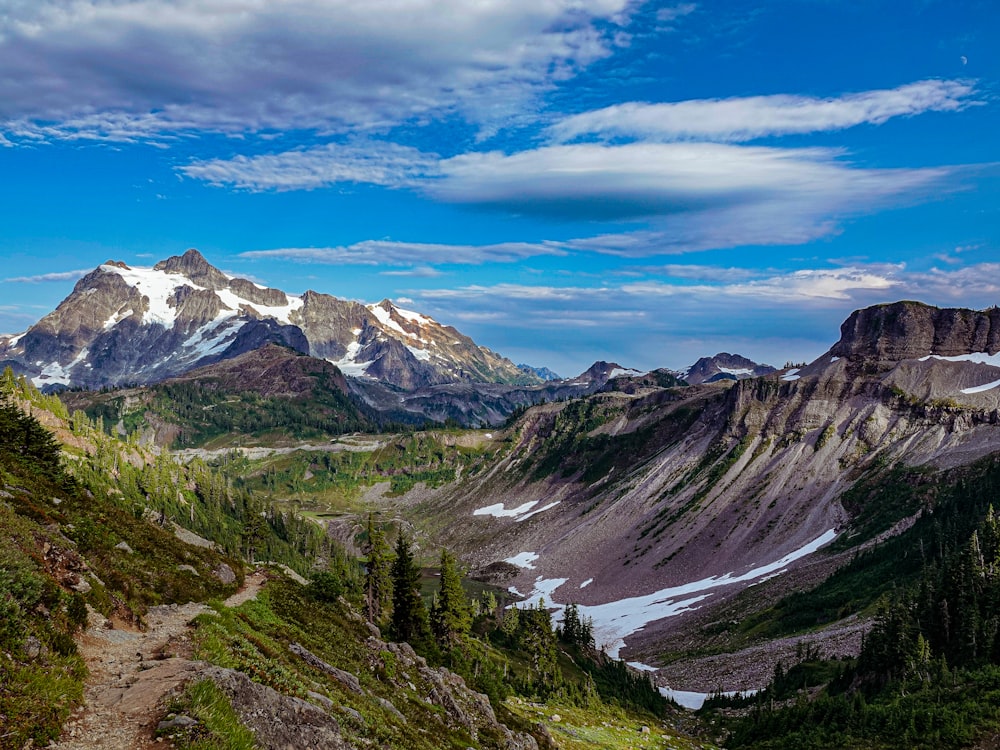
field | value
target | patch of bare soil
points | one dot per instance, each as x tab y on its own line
131	672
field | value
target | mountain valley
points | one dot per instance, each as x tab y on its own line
729	529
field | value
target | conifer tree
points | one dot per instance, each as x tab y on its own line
451	617
378	581
409	616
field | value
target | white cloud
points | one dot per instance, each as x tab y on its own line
417	272
55	276
389	252
673	12
371	162
702	195
747	118
136	69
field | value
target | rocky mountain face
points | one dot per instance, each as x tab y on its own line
724	366
683	497
140	325
912	330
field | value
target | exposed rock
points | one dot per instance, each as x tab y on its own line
724	366
224	574
910	330
391	708
261	295
188	568
123	546
178	722
193	265
278	721
463	708
32	648
346	679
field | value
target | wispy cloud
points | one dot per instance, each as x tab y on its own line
47	277
389	253
748	118
141	69
419	272
371	162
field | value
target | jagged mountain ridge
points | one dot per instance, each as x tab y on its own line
139	325
625	493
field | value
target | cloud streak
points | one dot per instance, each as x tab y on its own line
392	253
372	162
49	277
750	118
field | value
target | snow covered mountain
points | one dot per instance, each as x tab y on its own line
724	366
126	324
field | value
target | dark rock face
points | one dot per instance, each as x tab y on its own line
193	265
258	332
910	330
725	366
267	296
277	721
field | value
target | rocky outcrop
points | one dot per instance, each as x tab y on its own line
724	366
277	721
910	330
463	708
261	295
193	265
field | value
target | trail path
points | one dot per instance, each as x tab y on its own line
131	672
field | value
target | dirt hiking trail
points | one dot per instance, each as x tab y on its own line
131	673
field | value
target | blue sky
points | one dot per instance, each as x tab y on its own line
563	180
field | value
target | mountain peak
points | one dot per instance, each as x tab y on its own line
910	330
193	265
724	366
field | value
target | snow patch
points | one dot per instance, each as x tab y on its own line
157	287
383	316
640	666
981	388
523	560
737	371
421	354
536	512
497	510
834	359
791	375
349	365
979	358
586	583
281	313
619	371
414	317
614	621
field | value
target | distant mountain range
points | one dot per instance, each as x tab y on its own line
140	325
130	326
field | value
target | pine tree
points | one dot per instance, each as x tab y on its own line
450	617
409	616
378	581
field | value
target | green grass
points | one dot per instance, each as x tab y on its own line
218	726
603	726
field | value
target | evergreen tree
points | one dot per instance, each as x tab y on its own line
451	617
536	637
409	616
378	581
